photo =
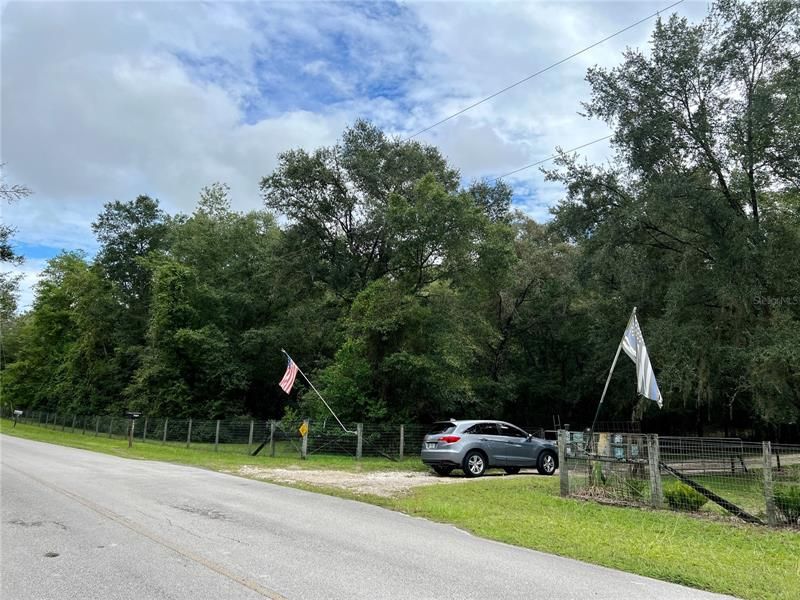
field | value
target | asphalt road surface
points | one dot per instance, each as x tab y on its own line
80	525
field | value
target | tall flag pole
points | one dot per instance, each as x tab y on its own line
633	345
288	381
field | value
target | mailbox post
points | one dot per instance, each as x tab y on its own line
132	416
17	414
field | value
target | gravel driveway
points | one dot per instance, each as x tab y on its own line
377	483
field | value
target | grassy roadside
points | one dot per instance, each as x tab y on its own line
201	455
744	561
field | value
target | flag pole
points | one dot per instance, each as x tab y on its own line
299	370
608	380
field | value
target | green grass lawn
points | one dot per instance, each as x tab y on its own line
742	560
203	455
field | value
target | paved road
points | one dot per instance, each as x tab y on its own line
147	530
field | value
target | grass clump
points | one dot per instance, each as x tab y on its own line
680	496
787	501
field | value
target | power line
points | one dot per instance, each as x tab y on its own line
600	139
549	158
555	64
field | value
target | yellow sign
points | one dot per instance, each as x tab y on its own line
303	429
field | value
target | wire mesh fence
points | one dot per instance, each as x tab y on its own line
715	477
754	482
616	472
785	475
273	438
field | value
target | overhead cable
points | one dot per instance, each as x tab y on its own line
544	70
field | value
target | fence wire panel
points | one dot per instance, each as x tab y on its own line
329	438
383	440
234	436
176	431
617	469
287	441
414	436
699	472
785	462
260	438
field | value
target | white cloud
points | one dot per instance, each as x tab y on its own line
105	101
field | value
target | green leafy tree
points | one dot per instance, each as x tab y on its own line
696	221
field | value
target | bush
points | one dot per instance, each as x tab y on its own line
787	501
636	488
681	497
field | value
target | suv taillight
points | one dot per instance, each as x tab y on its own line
449	439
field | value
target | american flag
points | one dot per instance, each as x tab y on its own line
288	378
633	345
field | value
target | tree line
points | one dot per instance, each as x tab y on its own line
407	294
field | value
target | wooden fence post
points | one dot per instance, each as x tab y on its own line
110	427
359	440
272	439
563	468
216	438
74	419
402	440
304	443
250	437
189	434
166	424
96	426
144	430
654	463
769	497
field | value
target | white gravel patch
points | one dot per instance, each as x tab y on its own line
378	483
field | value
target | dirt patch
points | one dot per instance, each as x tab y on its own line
378	483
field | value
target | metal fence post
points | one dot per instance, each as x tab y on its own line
654	463
272	439
360	440
216	438
304	442
96	426
402	440
189	434
144	430
110	426
250	437
563	468
164	438
769	497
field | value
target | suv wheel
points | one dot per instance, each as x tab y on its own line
443	470
546	464
474	463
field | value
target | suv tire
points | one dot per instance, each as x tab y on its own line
546	465
474	463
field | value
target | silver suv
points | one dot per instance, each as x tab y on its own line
475	446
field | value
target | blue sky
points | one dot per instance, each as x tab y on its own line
103	101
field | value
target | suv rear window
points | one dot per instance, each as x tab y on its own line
442	427
483	429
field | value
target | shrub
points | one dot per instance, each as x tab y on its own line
635	488
681	497
787	501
